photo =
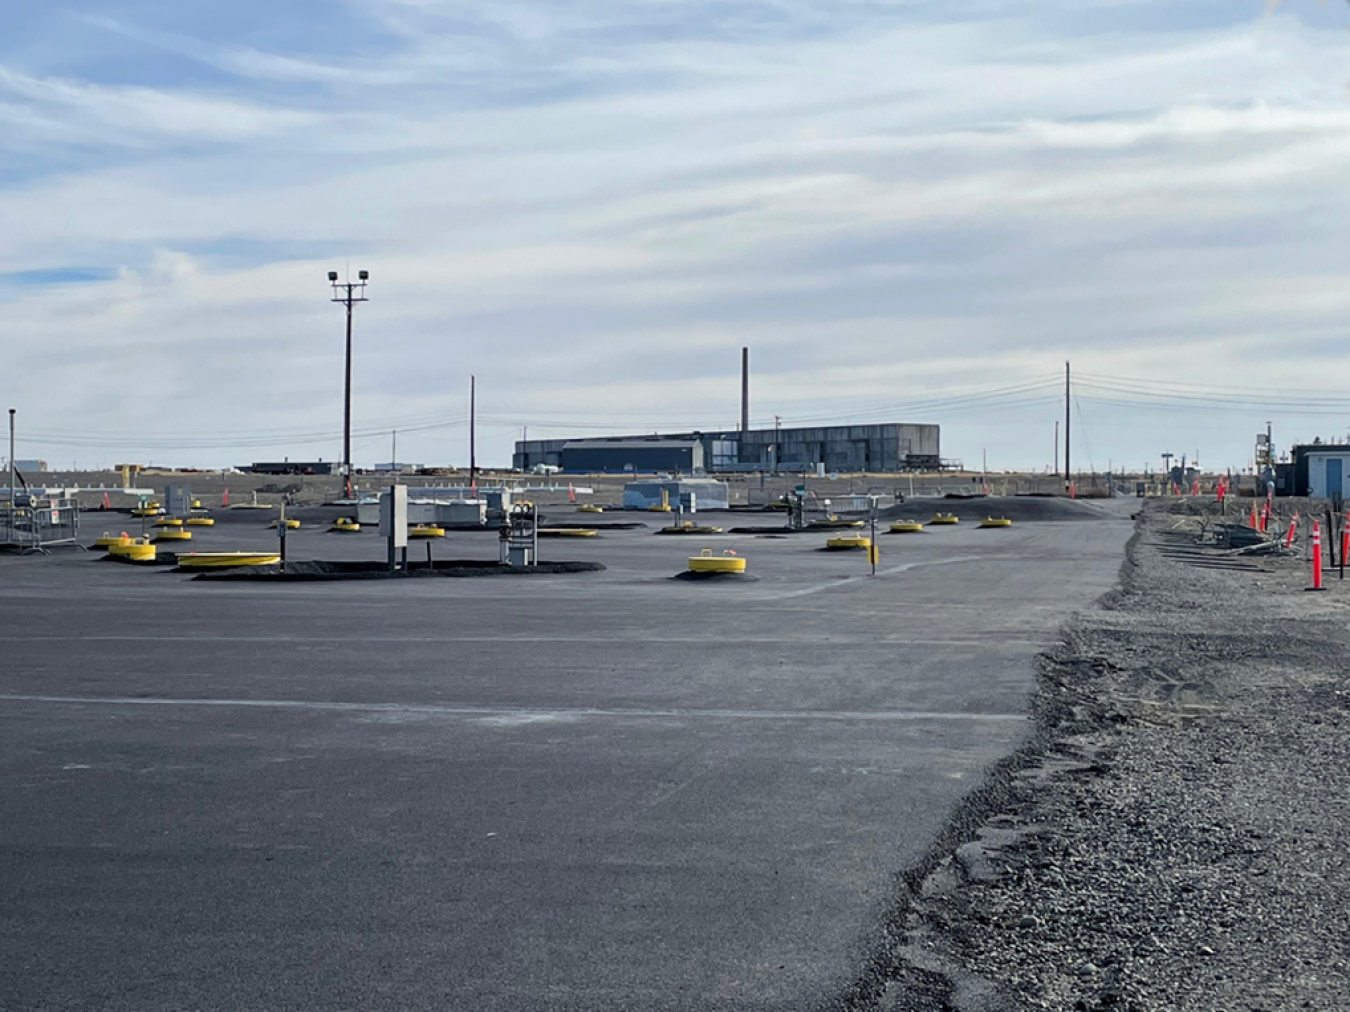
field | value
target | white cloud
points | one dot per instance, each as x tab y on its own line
893	207
78	112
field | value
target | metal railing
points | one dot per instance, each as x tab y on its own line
32	524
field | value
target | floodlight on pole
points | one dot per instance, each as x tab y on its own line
348	293
13	469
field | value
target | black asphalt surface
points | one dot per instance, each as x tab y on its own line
583	792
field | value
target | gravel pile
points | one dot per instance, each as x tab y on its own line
1175	837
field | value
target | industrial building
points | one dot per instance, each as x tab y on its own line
888	447
288	467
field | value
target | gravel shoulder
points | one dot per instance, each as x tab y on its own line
1173	837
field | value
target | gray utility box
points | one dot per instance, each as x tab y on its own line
456	513
461	513
498	500
394	515
177	500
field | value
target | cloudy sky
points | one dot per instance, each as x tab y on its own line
909	211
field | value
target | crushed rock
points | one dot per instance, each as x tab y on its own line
1174	837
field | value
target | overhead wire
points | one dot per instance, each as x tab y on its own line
1027	394
1138	392
958	400
1020	394
262	438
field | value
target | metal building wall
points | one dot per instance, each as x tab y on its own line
538	451
920	440
613	459
888	447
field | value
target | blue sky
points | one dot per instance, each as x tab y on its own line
593	205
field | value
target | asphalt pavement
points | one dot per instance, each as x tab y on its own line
594	791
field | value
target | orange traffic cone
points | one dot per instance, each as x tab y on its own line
1289	535
1316	556
571	493
225	498
106	505
1345	540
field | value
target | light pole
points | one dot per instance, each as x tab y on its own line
348	293
12	468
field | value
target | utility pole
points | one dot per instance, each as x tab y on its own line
473	451
1056	447
348	293
1068	471
777	446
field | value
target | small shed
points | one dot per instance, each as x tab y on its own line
1321	470
692	493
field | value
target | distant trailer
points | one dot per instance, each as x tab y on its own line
290	467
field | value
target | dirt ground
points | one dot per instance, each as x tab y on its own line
1174	839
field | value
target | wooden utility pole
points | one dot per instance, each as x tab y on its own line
473	451
1068	471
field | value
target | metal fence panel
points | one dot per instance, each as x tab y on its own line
33	524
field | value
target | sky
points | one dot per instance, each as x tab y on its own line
908	211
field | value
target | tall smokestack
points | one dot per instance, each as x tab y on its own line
745	389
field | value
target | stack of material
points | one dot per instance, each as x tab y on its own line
1236	535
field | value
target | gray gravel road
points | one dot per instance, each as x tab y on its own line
1175	837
